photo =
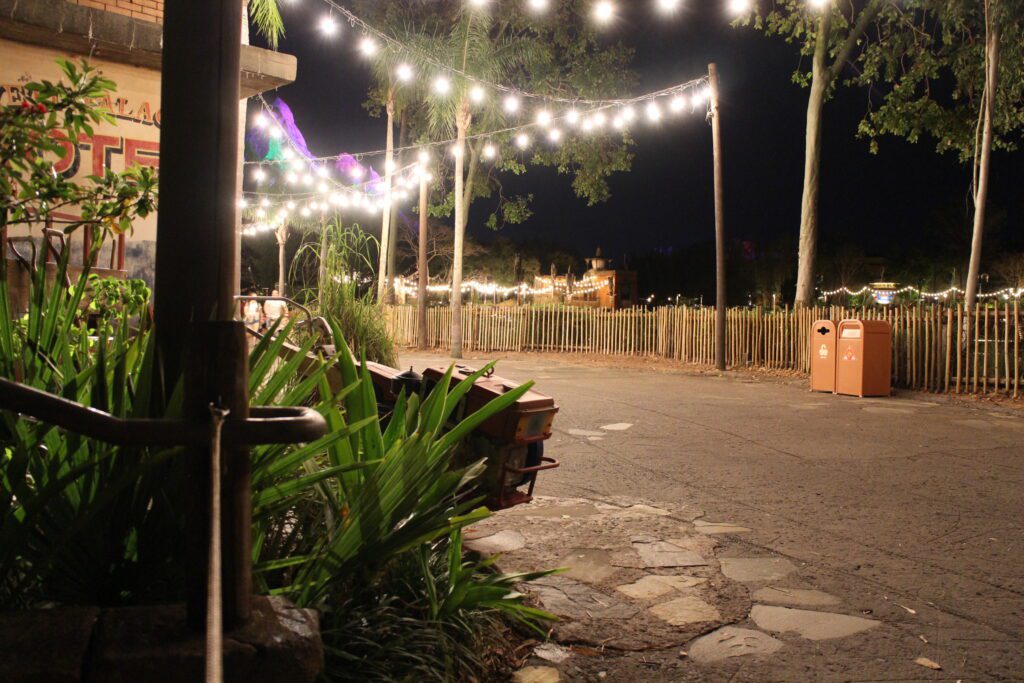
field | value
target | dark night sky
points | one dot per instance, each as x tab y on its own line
667	199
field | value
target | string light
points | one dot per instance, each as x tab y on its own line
653	112
328	26
522	141
259	175
442	86
511	104
403	72
368	46
1008	292
678	103
538	5
477	94
604	11
668	6
739	6
489	151
555	135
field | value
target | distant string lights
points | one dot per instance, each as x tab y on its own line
1006	293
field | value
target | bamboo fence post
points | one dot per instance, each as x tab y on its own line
984	379
949	345
1016	348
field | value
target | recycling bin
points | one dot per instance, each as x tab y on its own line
823	356
864	363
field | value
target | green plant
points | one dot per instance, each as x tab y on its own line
338	262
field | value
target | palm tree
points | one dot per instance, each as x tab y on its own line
475	47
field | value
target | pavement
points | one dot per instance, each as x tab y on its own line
737	527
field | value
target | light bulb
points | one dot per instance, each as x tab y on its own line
678	103
322	171
389	166
368	46
322	188
276	132
544	117
264	202
653	112
298	165
356	171
242	204
511	104
572	117
604	11
489	151
260	121
424	157
554	135
403	72
291	178
288	153
628	114
442	86
261	213
523	141
739	6
307	179
477	94
328	26
305	212
290	206
668	6
259	175
538	5
818	4
456	151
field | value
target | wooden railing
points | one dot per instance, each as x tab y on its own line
935	347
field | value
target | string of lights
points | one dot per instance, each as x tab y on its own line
582	287
369	45
1006	293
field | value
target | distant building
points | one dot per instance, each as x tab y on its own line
601	286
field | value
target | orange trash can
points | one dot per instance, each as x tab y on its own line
823	356
864	363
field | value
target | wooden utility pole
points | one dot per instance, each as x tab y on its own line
197	338
422	267
721	299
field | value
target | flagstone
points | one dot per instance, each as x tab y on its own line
809	623
686	610
705	527
665	554
505	541
752	569
653	586
731	641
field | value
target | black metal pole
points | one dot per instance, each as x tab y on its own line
721	299
195	273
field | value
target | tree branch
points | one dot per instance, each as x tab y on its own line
853	37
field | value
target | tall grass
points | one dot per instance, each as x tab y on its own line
334	269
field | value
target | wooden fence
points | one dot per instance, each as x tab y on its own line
928	353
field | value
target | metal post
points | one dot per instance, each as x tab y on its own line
195	274
721	300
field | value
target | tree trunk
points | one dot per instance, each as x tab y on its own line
385	229
393	227
808	247
462	121
422	267
282	274
981	191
